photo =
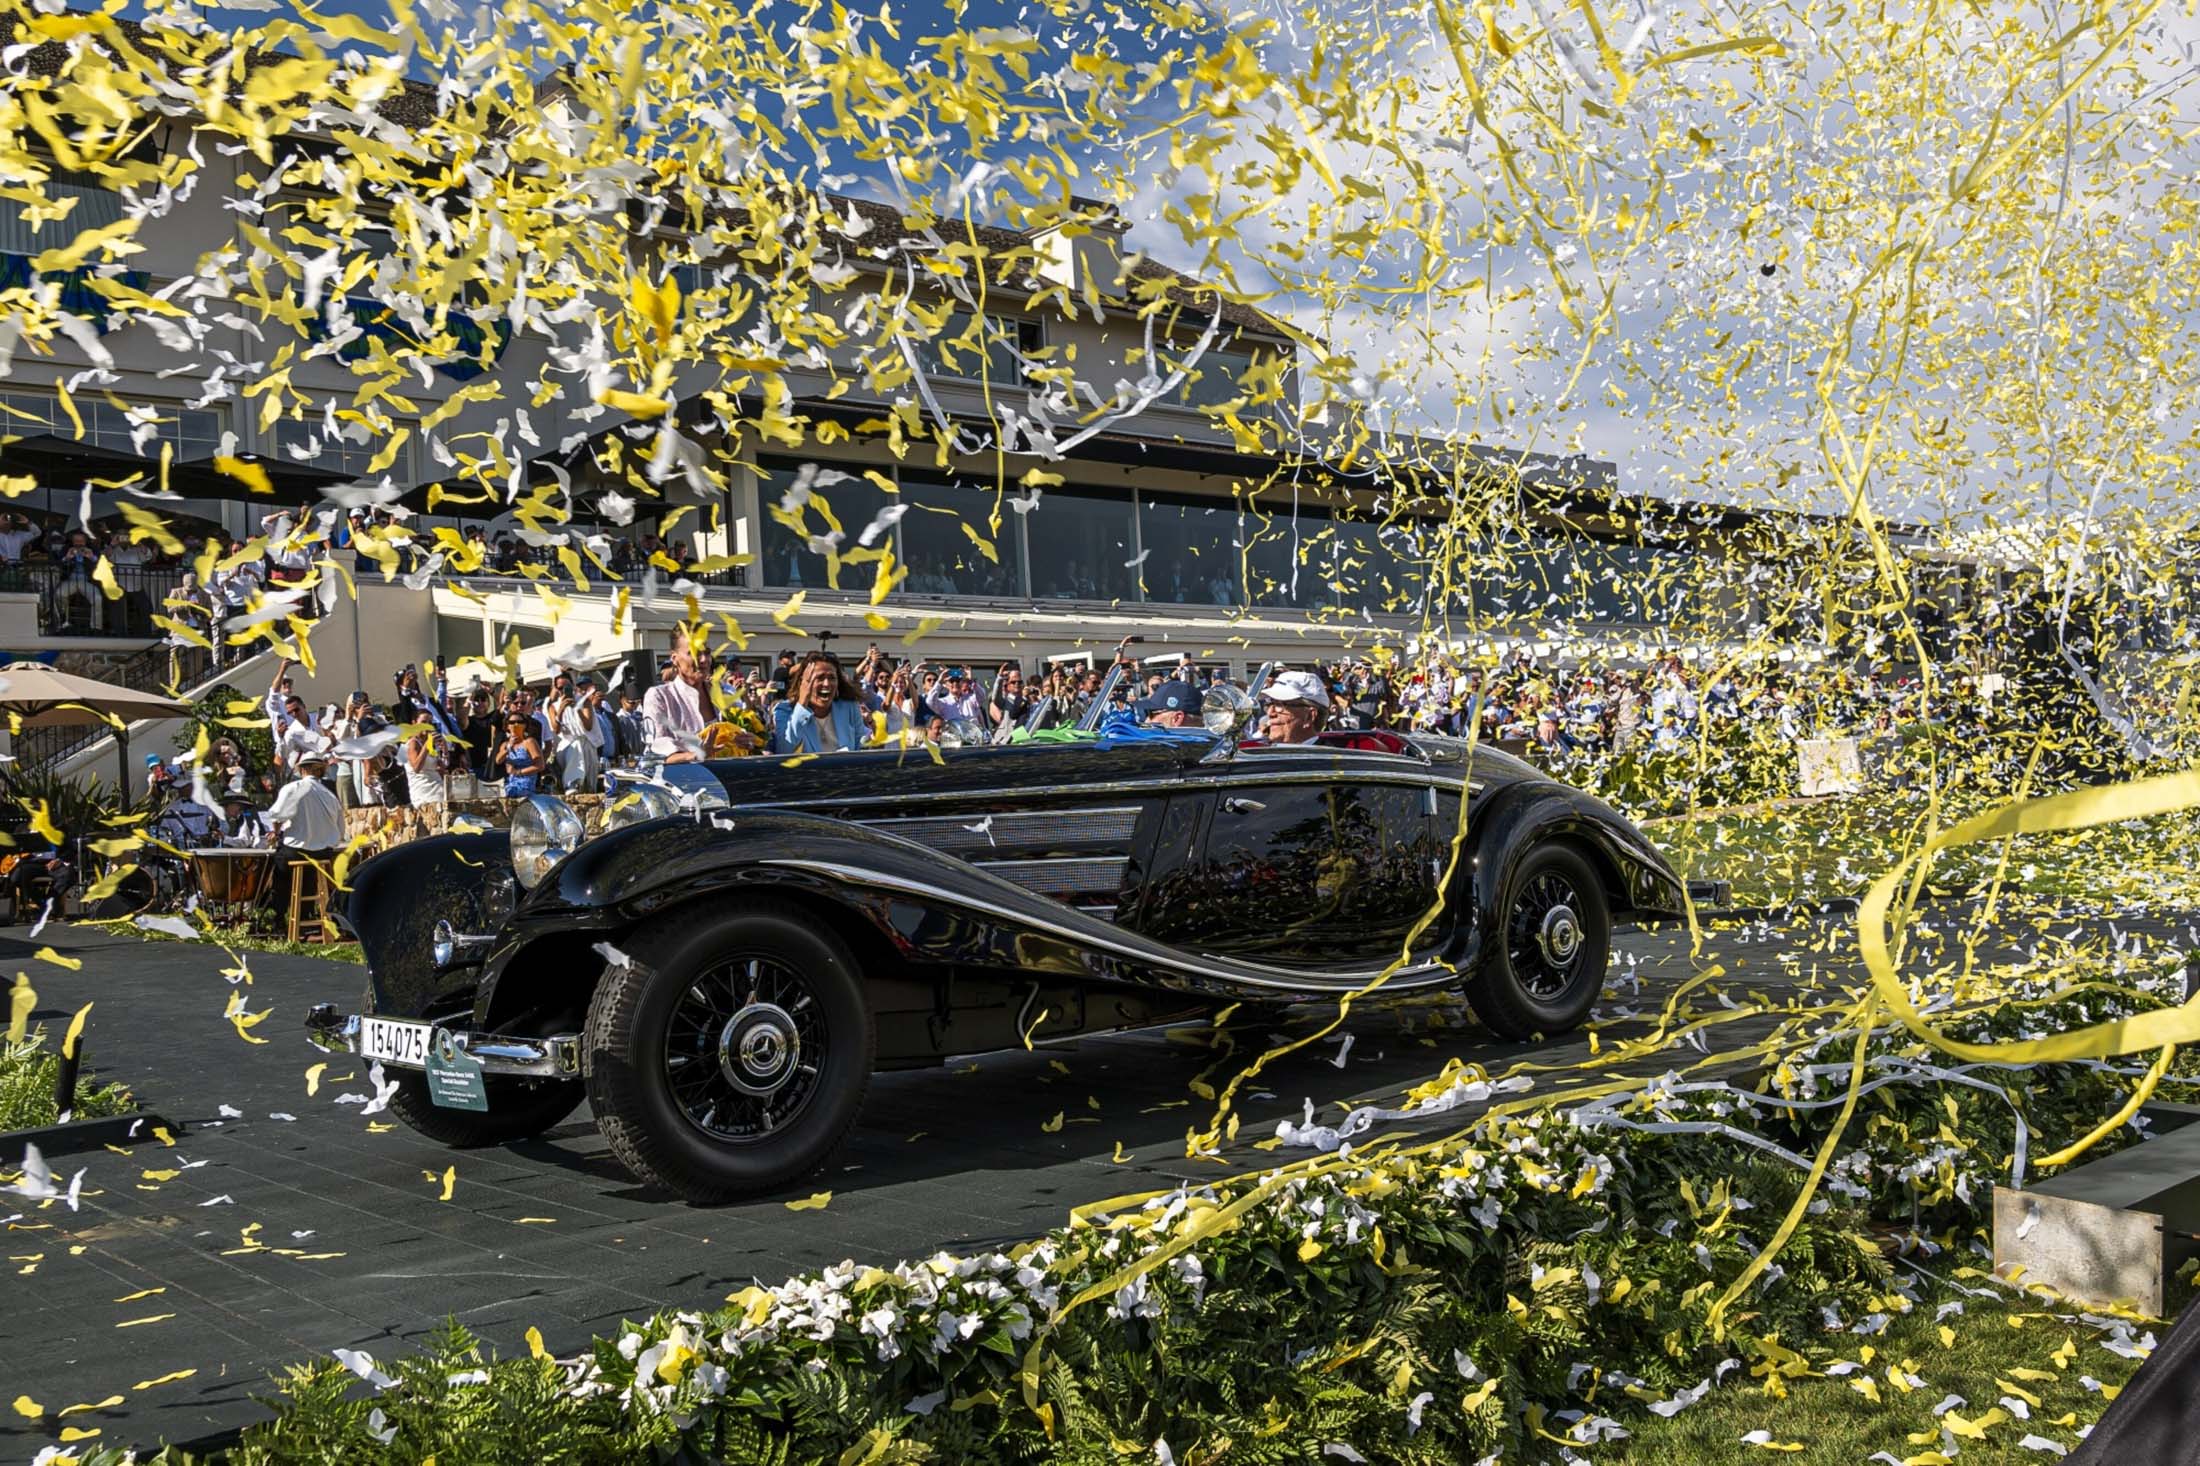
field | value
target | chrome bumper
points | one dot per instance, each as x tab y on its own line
555	1057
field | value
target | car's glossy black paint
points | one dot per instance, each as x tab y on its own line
1268	874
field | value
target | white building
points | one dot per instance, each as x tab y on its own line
1236	541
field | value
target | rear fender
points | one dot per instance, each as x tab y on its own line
1636	880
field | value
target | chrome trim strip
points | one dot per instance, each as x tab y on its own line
1227	969
1109	826
1192	779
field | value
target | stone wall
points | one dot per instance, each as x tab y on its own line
384	826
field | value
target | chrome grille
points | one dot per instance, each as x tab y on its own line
1101	877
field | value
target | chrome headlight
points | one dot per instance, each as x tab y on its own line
1225	710
544	831
637	804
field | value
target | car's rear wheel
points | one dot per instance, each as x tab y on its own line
1548	950
519	1109
729	1056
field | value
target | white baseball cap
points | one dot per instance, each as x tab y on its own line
1296	687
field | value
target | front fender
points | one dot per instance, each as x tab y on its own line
395	901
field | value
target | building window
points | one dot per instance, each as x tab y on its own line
960	351
1372	568
97	205
347	449
1080	544
1194	551
943	557
707	293
1217	376
846	506
194	433
1282	558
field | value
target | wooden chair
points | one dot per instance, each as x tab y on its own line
309	893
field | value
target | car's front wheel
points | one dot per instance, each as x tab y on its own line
729	1054
1547	953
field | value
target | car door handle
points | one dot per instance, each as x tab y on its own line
1242	806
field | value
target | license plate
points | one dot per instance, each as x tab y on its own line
396	1041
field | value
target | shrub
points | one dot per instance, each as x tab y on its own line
27	1072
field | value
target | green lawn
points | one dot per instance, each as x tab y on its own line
1833	1420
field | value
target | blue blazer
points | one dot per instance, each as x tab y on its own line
794	727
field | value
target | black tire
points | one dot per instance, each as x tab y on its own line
731	1055
519	1109
1524	988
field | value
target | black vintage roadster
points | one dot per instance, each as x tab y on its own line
720	980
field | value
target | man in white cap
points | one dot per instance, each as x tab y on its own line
1294	706
305	822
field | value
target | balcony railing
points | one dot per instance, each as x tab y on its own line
167	670
506	574
71	603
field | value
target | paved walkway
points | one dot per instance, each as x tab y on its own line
297	1226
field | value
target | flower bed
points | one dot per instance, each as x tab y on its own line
1526	1287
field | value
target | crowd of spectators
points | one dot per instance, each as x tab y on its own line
167	574
435	737
1589	711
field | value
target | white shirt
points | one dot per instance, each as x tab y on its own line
957	709
298	739
674	707
12	542
309	814
426	784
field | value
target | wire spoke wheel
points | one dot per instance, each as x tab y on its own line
1545	935
744	1045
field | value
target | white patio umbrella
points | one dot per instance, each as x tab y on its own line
49	699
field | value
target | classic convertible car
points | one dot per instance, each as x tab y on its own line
720	980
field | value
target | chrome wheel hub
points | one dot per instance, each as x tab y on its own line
759	1049
1546	939
1560	935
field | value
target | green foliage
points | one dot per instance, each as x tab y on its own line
254	739
27	1072
75	806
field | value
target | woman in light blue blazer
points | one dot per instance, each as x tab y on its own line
823	712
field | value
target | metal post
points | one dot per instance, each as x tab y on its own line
64	1079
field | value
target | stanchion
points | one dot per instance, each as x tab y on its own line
64	1076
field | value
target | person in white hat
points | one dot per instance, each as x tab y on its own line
1294	705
